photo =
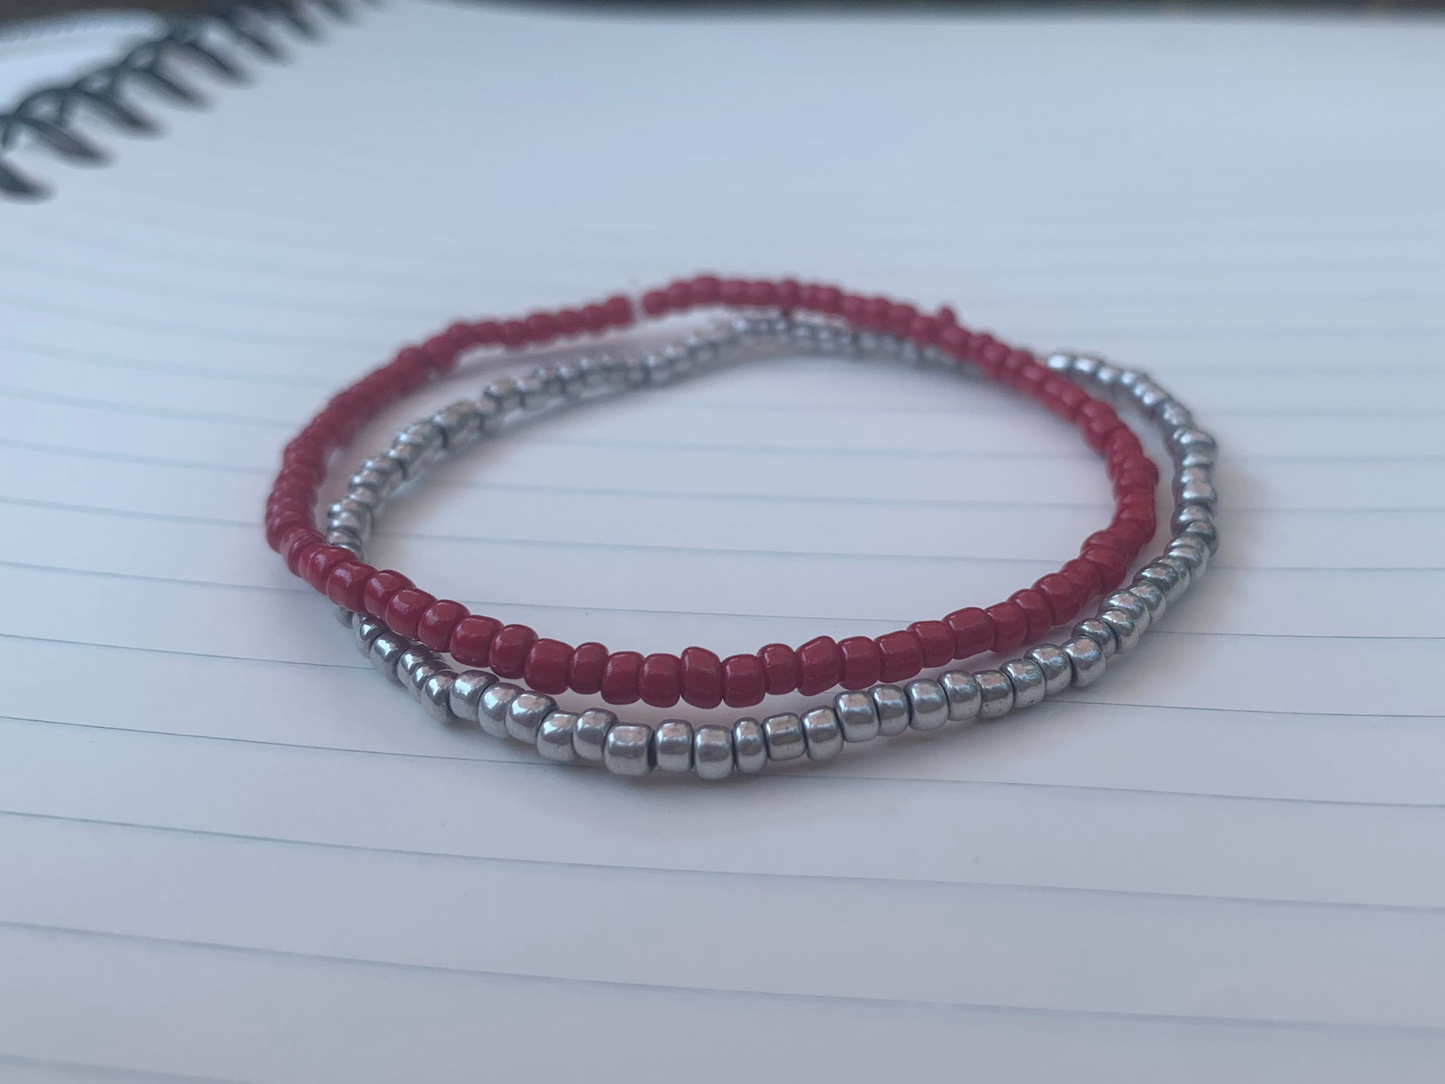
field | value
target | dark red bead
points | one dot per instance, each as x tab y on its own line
1013	364
830	300
780	668
379	589
854	309
594	318
471	643
546	667
1010	626
702	678
820	665
875	313
900	318
946	315
789	294
762	292
901	655
587	667
1112	565
679	296
510	648
404	610
619	310
1036	608
319	564
862	662
972	630
744	682
513	334
620	678
923	331
935	640
1031	378
437	624
1063	595
299	554
541	327
569	322
705	290
346	583
732	292
654	302
659	683
1086	577
487	333
954	341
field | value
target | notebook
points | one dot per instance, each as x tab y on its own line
232	853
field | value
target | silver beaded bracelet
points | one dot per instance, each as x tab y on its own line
714	751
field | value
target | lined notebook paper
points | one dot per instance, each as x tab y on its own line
230	852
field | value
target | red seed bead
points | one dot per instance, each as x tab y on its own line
876	311
1010	626
586	668
1086	577
744	681
853	309
619	310
594	318
946	315
546	667
298	554
1031	379
972	630
1014	363
437	624
379	589
320	562
679	296
654	302
541	327
923	331
789	294
901	654
780	668
935	640
820	665
620	678
346	583
900	318
1112	565
1036	608
702	678
514	334
762	292
569	322
1063	595
830	300
298	534
732	291
862	662
705	290
954	340
486	333
404	610
660	681
471	643
510	648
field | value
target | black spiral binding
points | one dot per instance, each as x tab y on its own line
45	115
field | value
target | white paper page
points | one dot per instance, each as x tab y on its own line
231	852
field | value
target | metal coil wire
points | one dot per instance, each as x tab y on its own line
46	116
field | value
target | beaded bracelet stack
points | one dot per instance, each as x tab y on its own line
405	631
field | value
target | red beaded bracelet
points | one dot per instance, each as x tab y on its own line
697	675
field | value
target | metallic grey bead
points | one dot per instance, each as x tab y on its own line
891	703
407	662
489	415
1129	377
628	749
1150	595
1187	476
362	506
365	629
857	716
492	707
416	447
1206	533
672	746
594	372
525	714
1172	578
419	675
1054	665
1100	633
385	649
927	704
435	695
381	474
343	616
657	367
1059	363
1126	629
1174	415
589	735
1181	566
1027	678
347	540
1196	457
1107	378
678	359
712	751
822	734
554	736
1087	659
460	423
750	745
1192	551
784	735
960	688
1086	365
1198	493
360	526
1189	439
1149	395
466	693
996	694
636	373
1190	513
539	388
571	378
504	393
702	351
1130	604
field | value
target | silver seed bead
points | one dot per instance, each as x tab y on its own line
460	423
750	745
1187	514
891	703
347	540
1129	377
1130	604
960	689
1086	365
343	616
822	734
365	629
416	447
1055	667
525	714
554	736
420	675
492	707
1172	579
504	393
635	372
784	735
1107	378
381	474
657	367
570	378
712	752
1193	552
857	716
1087	659
466	693
1059	363
1027	678
1187	476
362	507
1201	494
996	694
1126	630
435	695
927	704
1196	457
1151	596
672	746
589	735
628	749
1149	395
1206	533
1100	633
385	649
1190	439
1174	415
407	662
350	522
